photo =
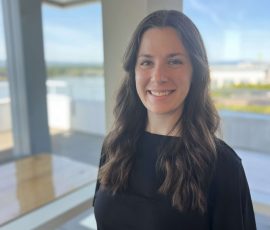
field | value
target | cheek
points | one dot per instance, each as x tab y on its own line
184	85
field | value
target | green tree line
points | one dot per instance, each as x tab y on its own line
66	70
259	86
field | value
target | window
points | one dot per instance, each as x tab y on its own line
74	57
236	34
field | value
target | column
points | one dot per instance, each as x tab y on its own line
27	76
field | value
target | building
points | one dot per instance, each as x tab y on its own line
222	75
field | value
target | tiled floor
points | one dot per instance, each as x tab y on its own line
86	148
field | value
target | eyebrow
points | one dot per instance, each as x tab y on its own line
170	55
176	54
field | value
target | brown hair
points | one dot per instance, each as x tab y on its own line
187	163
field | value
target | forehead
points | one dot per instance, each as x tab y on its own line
161	40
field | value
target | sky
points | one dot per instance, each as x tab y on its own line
231	29
73	34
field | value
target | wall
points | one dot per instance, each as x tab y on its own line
88	116
59	109
246	131
77	115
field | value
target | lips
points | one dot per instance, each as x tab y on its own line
160	93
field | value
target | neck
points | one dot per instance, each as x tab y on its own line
163	124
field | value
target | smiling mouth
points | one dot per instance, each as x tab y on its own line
160	93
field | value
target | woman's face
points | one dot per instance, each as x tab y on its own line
163	72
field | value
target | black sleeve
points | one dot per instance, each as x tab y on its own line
101	162
247	208
232	206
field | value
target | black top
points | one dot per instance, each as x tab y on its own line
140	207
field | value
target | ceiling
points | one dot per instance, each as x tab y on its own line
66	3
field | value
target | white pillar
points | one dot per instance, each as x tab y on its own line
120	18
27	76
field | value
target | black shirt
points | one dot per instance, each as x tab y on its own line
141	207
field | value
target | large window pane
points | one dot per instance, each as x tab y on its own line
236	34
75	85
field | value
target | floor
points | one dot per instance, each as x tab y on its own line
76	145
86	148
85	221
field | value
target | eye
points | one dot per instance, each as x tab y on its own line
145	63
175	61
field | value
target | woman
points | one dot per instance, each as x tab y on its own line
162	167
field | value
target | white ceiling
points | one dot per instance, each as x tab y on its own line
65	3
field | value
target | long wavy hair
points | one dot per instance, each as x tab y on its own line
187	164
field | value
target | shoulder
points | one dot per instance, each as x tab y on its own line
228	168
226	156
229	198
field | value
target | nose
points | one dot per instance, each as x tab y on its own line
159	73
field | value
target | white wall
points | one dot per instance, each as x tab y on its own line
59	111
88	116
77	115
246	131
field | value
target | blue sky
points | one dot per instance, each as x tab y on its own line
73	34
232	30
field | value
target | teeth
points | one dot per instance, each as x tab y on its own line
160	93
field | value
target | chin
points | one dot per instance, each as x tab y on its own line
164	110
161	111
